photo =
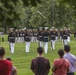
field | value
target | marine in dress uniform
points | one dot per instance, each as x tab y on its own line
31	35
56	33
27	39
35	35
11	39
65	37
61	34
23	33
69	34
16	35
20	36
52	38
40	37
46	39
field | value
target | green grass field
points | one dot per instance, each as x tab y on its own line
22	60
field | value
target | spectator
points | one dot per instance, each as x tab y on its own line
14	69
5	65
40	65
71	58
60	65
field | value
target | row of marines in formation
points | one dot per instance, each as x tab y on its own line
41	36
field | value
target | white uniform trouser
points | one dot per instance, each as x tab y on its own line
56	38
53	44
12	47
45	47
27	47
32	38
35	39
22	39
16	39
19	39
65	42
68	38
40	43
60	38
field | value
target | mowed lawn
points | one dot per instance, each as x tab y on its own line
22	60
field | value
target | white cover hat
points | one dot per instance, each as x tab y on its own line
46	28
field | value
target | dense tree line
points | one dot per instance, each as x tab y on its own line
36	13
11	11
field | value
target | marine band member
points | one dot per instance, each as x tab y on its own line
11	38
52	38
65	37
27	39
61	34
16	36
46	39
40	38
69	34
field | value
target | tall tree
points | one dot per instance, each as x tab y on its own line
8	14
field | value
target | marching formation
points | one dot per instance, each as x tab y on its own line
42	36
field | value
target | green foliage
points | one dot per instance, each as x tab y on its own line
51	13
70	2
12	10
21	13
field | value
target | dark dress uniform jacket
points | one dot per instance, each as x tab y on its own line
52	35
45	36
27	37
20	34
69	32
17	34
56	33
65	36
35	34
11	37
40	36
61	33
